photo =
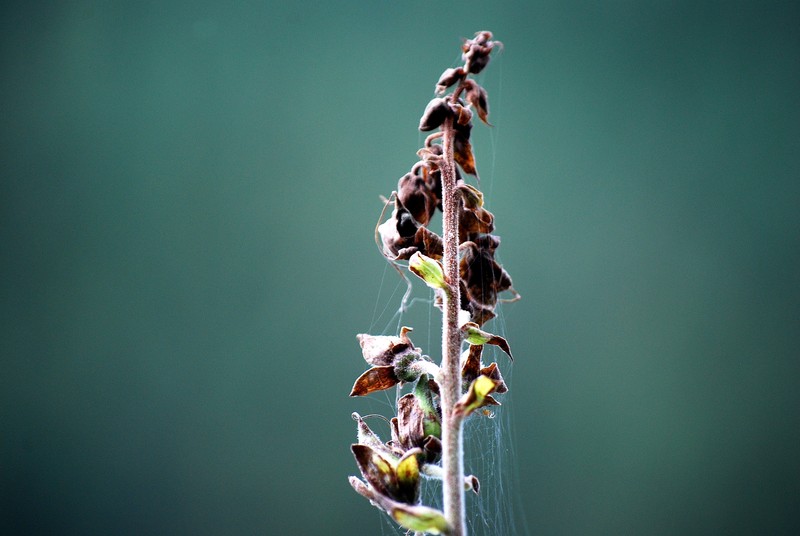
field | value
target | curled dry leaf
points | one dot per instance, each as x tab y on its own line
471	368
471	482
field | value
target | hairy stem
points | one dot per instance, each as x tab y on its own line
450	385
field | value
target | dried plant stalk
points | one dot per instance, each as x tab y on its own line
460	266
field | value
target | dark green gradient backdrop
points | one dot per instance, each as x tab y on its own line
187	198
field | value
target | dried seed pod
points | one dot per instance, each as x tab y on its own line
434	115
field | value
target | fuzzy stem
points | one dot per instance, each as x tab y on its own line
450	384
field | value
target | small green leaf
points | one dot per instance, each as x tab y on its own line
427	269
420	519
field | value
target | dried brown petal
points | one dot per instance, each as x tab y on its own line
434	115
429	243
448	78
410	426
472	197
396	232
471	368
375	379
463	114
474	222
478	98
462	152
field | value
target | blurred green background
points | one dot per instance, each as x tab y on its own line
188	192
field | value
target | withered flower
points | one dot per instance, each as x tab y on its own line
483	277
477	396
396	479
414	192
462	149
414	426
476	51
434	115
382	350
402	236
472	368
391	470
474	221
390	358
448	78
477	97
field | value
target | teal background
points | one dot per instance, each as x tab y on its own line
188	192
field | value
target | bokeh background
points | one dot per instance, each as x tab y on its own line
188	192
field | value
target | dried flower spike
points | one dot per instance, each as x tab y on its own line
459	264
